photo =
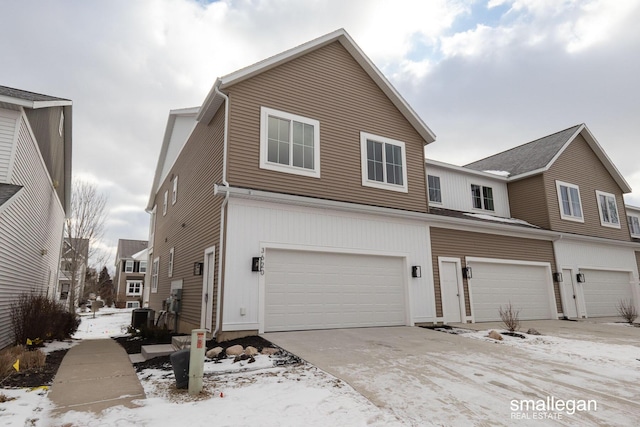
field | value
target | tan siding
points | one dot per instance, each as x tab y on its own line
580	166
528	201
192	224
461	244
329	86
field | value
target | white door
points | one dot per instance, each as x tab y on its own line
319	290
603	290
569	294
206	317
451	290
527	286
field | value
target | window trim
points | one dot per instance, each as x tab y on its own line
265	112
172	253
131	282
174	192
155	269
629	221
615	202
439	189
564	216
483	198
165	202
366	182
142	269
127	263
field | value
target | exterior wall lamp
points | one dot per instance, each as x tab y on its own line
416	271
580	278
467	273
197	268
557	277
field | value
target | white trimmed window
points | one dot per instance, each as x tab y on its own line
608	209
152	225
165	203
170	269
154	275
143	267
569	200
634	225
133	304
435	193
482	197
174	193
61	124
128	266
289	143
134	287
384	163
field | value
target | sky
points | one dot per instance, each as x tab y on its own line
484	75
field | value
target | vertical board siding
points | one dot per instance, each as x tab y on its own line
198	167
8	123
529	201
32	223
462	244
579	254
580	166
327	85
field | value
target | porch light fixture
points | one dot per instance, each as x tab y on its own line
580	278
557	277
255	263
467	272
416	271
197	268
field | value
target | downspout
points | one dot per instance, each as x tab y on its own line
225	138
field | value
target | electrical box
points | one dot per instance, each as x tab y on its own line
174	301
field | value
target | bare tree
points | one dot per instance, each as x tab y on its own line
83	228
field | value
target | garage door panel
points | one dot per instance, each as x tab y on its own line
311	290
603	290
495	285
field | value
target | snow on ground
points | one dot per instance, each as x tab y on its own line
108	322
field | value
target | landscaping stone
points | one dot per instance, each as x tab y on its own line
250	351
495	335
235	350
214	352
533	331
269	351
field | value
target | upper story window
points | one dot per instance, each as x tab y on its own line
155	268
384	163
174	193
482	197
152	225
569	200
134	287
435	194
128	266
634	225
61	124
289	143
170	268
608	209
165	203
143	266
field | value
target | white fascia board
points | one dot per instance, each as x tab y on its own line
604	158
600	240
429	219
35	104
464	170
634	209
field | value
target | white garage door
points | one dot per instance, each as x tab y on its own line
527	287
603	290
317	290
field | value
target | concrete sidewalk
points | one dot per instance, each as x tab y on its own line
95	375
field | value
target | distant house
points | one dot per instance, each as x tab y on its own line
35	192
71	260
131	266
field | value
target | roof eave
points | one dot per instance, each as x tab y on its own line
34	105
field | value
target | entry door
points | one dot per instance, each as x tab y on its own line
206	318
570	294
450	289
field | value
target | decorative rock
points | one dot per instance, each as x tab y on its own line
250	351
214	352
235	350
270	351
494	335
532	331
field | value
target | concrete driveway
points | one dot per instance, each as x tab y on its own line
426	377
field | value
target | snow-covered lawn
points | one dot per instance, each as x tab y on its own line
261	394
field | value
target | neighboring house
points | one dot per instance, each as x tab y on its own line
75	253
297	197
35	184
131	266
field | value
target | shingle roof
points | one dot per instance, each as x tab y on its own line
126	248
26	95
7	191
481	218
528	157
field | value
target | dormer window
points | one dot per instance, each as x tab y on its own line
608	209
482	197
435	193
634	225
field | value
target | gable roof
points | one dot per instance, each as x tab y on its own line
538	156
127	248
30	99
213	100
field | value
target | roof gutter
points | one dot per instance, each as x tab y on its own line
225	140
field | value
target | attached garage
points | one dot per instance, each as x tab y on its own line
527	286
325	290
602	290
